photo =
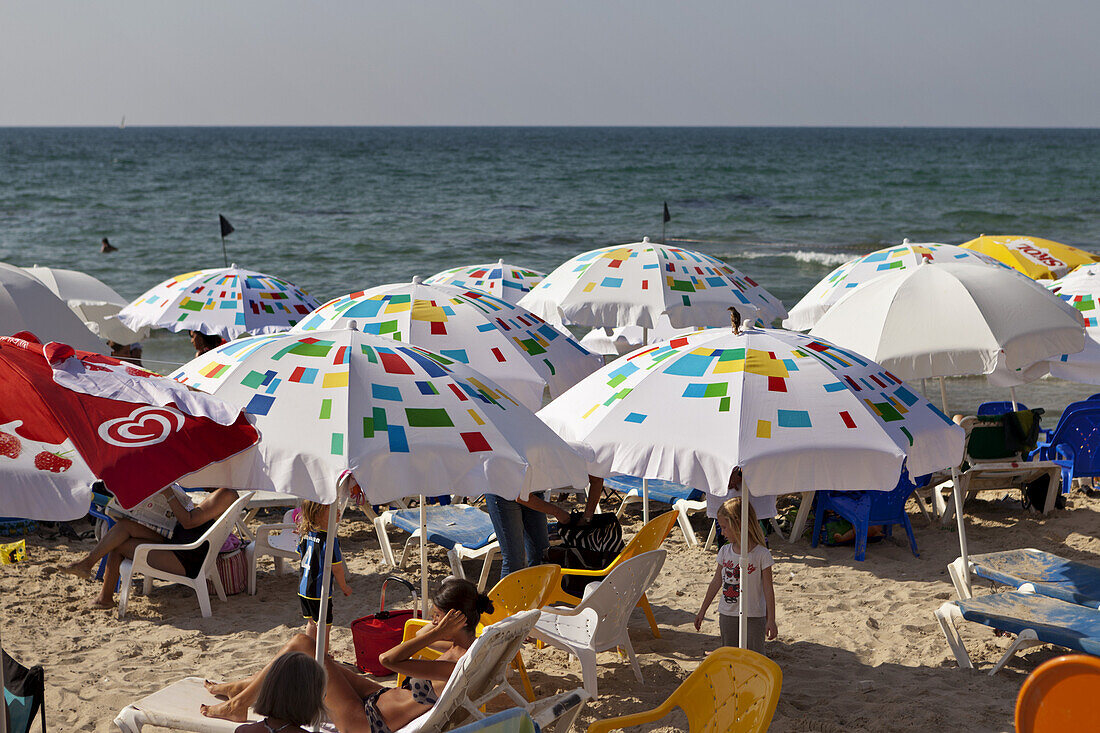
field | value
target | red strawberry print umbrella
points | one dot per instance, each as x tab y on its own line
68	417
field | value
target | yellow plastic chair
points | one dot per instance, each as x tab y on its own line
523	590
650	537
733	690
1060	695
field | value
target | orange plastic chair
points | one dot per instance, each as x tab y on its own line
650	537
733	690
523	590
1062	694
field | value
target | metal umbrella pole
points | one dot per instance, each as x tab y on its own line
742	619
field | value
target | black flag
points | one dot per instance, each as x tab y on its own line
668	216
227	228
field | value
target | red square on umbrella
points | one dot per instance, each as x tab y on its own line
475	442
394	364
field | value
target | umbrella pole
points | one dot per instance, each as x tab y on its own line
1012	394
423	559
962	526
4	700
742	619
645	500
326	583
924	387
943	396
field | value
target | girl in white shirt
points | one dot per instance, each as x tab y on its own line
753	588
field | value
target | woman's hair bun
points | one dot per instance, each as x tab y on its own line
484	603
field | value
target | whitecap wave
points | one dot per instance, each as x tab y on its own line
826	259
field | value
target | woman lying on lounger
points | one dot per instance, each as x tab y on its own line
357	704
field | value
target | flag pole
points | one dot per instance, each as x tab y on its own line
225	255
226	229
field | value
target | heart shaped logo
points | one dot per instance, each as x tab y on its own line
146	425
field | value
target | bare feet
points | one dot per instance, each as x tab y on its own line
76	569
222	689
227	711
100	603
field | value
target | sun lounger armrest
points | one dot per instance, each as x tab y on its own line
1064	451
141	552
600	573
563	610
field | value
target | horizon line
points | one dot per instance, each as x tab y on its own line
562	126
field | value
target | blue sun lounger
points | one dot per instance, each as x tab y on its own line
1033	570
465	531
683	499
1033	618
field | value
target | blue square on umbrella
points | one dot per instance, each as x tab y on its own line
635	417
260	404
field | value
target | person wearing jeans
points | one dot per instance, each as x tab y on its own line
521	531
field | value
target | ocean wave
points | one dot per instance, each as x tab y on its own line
826	259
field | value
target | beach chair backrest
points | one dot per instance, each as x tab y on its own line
220	530
998	407
479	674
617	594
987	437
733	690
650	537
1079	427
523	590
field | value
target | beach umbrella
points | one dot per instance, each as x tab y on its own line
1040	259
507	282
854	273
1081	289
28	305
795	412
624	339
403	421
69	417
635	284
953	320
227	301
508	344
93	301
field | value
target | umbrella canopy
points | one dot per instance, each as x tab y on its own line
953	320
93	301
624	339
28	305
227	302
795	412
635	284
1081	289
1037	258
68	417
507	282
508	344
402	420
854	273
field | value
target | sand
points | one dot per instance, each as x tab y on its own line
858	644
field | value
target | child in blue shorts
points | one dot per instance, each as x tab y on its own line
312	525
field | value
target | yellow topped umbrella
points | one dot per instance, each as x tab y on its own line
1039	259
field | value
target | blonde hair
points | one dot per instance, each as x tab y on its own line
310	518
293	690
731	512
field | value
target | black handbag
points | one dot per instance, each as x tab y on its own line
590	545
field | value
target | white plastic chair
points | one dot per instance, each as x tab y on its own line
215	536
278	541
599	622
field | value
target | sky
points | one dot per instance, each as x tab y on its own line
550	62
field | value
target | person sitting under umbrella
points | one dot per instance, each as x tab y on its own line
122	539
204	342
357	704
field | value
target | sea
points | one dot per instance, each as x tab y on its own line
339	209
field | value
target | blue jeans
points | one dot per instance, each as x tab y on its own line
522	533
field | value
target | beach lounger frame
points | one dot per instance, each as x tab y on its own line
683	499
1039	572
1035	620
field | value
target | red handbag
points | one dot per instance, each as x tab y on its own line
380	632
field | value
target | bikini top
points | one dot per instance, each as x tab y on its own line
423	691
267	725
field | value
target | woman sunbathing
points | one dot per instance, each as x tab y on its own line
357	704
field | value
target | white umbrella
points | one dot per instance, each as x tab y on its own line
635	284
93	301
28	305
1081	289
507	282
796	413
861	270
508	344
954	320
227	301
624	339
400	419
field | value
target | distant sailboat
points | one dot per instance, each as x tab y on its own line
122	125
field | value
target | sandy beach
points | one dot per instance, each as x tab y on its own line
858	643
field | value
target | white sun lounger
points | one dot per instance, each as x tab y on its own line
479	677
